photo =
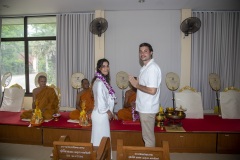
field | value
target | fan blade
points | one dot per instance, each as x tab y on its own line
190	25
98	26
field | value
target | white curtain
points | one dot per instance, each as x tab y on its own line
215	49
0	62
75	52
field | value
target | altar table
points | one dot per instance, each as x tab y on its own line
209	135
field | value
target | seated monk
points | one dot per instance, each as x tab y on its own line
84	96
47	100
130	98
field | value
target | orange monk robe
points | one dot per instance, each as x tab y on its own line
86	96
47	103
126	112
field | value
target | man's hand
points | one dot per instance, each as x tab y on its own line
145	89
133	81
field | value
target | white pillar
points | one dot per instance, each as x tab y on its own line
185	53
99	41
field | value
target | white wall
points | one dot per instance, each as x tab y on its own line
127	29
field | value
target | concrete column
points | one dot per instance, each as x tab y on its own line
99	41
185	53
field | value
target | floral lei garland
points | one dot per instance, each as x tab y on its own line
135	115
109	87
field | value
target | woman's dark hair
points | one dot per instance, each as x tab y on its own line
99	65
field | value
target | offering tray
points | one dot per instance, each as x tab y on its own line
86	125
174	116
36	124
56	116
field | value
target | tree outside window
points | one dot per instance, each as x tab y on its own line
25	56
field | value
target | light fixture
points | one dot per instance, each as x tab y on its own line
141	1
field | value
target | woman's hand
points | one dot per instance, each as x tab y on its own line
110	115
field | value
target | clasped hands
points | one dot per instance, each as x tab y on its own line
110	115
133	81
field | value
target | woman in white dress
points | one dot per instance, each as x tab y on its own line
103	103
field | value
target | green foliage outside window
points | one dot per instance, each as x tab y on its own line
12	57
41	51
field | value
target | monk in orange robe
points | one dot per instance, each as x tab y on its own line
47	100
84	96
130	98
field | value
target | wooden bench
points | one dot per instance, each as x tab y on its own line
66	150
136	152
104	149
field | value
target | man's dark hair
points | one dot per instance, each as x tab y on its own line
147	45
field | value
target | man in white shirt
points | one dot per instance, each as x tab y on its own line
148	93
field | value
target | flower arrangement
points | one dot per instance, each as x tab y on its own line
109	87
37	118
135	115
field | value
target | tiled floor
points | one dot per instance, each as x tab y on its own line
33	152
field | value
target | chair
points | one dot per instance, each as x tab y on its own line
190	99
230	103
13	98
136	152
16	86
64	149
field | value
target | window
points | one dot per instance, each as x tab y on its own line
28	46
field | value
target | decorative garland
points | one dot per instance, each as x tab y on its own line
109	87
135	115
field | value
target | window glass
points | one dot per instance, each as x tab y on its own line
42	58
40	41
41	26
13	60
12	27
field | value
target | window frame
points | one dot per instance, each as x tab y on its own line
26	41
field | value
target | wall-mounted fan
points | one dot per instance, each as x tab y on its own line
190	25
98	26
